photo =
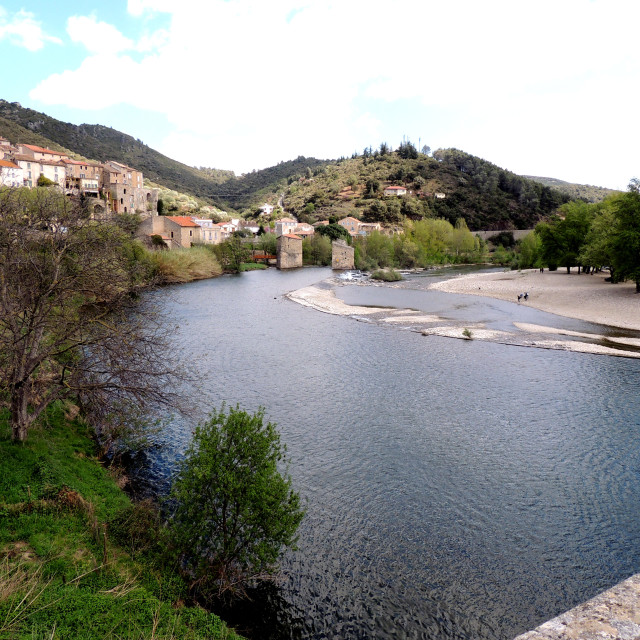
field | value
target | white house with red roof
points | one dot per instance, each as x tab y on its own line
41	153
32	169
11	175
395	190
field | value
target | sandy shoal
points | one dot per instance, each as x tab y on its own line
585	297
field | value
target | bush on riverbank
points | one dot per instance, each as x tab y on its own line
386	275
62	574
184	265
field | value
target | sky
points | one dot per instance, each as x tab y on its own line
546	88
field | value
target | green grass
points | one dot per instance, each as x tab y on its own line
252	266
77	558
185	265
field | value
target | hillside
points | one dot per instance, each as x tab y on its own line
102	144
451	184
585	192
216	186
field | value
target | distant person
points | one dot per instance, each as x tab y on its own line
519	297
526	295
541	269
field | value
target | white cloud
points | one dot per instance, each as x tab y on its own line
97	37
76	87
246	81
23	30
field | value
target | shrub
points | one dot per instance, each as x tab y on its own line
386	275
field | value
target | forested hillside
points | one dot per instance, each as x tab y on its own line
585	192
451	185
103	143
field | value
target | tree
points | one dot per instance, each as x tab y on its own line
407	151
232	253
626	240
43	181
334	231
69	324
235	511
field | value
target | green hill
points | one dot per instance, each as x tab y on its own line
487	196
451	184
585	192
103	143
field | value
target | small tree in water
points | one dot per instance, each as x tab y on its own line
235	511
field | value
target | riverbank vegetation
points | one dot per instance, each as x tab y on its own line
77	558
183	265
588	236
423	243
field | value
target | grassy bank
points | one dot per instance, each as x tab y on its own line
77	559
184	265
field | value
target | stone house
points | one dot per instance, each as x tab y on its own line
352	225
82	177
285	226
210	232
11	175
289	251
367	228
266	209
304	230
176	231
123	186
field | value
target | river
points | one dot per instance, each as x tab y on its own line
454	489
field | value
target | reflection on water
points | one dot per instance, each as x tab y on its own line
454	489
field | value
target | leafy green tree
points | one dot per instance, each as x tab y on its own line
529	251
235	510
372	187
598	249
334	231
462	240
562	238
43	181
407	151
232	253
317	250
626	241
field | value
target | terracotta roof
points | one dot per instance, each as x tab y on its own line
285	220
292	235
394	187
7	163
43	150
49	163
183	221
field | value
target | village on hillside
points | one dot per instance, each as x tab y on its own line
112	188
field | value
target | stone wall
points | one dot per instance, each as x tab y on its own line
613	615
342	255
289	252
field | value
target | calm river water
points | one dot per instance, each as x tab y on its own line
454	489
